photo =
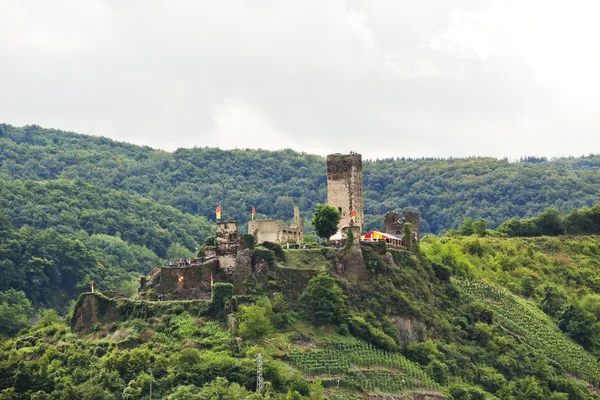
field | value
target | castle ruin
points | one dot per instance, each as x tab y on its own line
228	242
270	230
235	259
345	188
394	223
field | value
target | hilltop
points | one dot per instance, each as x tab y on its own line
473	314
445	191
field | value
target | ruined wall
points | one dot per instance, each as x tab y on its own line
393	223
269	230
414	219
188	282
266	230
345	188
228	242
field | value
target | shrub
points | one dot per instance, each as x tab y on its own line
324	300
254	321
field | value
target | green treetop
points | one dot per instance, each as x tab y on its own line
326	220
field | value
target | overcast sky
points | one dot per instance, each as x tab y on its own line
384	78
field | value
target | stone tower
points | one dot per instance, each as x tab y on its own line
394	223
414	219
345	187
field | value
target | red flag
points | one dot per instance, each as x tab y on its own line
211	280
353	216
218	211
253	212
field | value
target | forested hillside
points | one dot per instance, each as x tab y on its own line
71	206
196	180
52	268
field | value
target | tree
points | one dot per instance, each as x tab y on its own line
553	300
177	251
15	311
467	228
254	321
550	223
324	300
326	220
579	324
480	227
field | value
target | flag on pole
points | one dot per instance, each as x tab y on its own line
211	280
253	212
218	211
353	216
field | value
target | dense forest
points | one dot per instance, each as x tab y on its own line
195	181
503	304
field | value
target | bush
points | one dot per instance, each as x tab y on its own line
324	300
221	296
254	322
361	328
249	241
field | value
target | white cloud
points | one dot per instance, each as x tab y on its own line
385	78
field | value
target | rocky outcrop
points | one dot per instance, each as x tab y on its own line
410	329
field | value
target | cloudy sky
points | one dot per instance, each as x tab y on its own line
400	78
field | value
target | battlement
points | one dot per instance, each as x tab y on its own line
226	227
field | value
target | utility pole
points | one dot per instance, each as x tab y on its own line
259	374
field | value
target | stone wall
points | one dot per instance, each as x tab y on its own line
188	282
228	243
413	218
270	230
345	188
266	230
394	223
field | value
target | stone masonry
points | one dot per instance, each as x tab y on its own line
394	223
270	230
228	242
345	187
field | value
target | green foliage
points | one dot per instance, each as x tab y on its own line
362	367
178	252
52	268
221	296
195	180
535	328
71	206
467	228
349	241
480	227
249	241
325	220
254	321
276	249
361	328
408	235
15	311
210	241
324	300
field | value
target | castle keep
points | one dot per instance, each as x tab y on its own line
345	188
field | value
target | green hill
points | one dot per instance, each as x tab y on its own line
196	180
409	331
71	206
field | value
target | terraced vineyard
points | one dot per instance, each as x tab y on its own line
535	328
362	366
